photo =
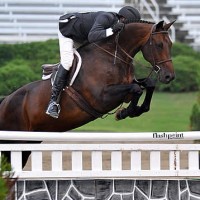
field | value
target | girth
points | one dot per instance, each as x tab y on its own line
82	103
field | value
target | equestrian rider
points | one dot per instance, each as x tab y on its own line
80	28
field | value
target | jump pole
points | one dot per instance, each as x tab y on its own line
99	136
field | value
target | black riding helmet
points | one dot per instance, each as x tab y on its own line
129	12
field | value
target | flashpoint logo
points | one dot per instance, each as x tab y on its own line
168	136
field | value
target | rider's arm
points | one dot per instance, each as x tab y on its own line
102	27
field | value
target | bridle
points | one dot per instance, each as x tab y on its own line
155	67
152	47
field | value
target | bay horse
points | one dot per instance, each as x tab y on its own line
105	80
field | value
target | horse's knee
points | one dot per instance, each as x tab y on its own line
150	83
136	89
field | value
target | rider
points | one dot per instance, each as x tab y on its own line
78	29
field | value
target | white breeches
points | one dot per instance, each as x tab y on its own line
66	51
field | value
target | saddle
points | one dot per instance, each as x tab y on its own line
49	70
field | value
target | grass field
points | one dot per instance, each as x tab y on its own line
169	112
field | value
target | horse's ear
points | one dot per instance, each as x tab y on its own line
159	26
167	26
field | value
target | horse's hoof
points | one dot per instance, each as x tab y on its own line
118	115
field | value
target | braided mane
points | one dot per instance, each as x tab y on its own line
128	21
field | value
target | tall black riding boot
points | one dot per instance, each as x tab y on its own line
59	83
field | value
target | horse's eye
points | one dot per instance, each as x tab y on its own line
160	45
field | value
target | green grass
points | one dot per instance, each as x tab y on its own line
169	112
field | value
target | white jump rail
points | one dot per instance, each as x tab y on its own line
99	136
97	145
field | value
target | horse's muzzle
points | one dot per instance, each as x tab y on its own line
166	77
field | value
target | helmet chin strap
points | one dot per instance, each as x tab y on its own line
122	19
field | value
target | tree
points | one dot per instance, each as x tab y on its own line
195	116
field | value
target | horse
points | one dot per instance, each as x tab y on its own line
106	80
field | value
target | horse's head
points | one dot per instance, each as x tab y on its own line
157	51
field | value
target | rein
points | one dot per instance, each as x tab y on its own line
114	55
156	64
152	69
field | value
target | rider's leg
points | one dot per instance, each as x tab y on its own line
66	59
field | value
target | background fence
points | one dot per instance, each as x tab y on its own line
34	20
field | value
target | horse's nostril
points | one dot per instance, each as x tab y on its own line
168	77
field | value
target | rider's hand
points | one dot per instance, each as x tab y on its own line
118	27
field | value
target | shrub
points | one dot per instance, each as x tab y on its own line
195	116
34	52
38	53
7	53
187	75
6	183
181	49
15	74
3	189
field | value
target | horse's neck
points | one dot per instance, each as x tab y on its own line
134	37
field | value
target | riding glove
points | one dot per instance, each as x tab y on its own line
118	27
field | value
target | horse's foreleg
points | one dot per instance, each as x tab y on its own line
149	84
133	110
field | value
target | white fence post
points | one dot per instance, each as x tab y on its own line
155	160
96	160
56	157
16	161
36	161
136	160
77	161
116	160
193	160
